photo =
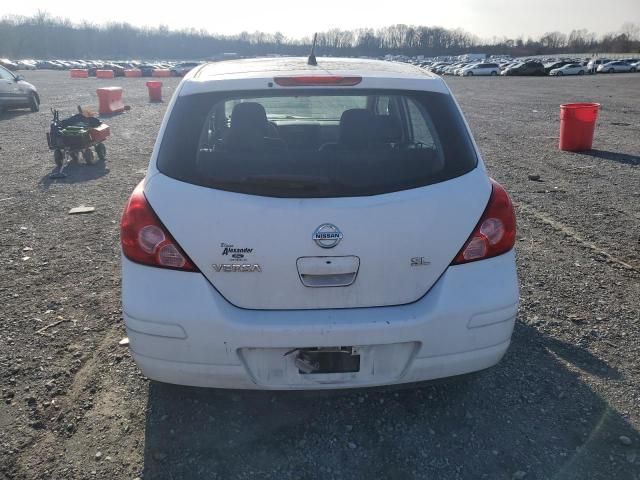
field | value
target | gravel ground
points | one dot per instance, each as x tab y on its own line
564	403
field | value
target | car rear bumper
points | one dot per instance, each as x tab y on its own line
182	331
235	376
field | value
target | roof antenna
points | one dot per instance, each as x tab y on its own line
312	56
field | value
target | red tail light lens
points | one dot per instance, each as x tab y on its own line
317	80
145	240
495	233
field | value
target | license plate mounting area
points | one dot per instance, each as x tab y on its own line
324	367
319	360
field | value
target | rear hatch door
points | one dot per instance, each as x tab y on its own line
260	252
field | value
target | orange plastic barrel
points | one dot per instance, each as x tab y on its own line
79	73
155	91
161	72
110	100
104	74
577	125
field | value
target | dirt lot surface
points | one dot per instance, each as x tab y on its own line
564	403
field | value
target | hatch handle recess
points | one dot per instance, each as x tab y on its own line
328	271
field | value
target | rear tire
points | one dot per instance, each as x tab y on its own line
101	150
581	72
633	70
58	158
88	157
494	73
34	103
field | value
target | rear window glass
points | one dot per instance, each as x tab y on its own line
326	107
315	143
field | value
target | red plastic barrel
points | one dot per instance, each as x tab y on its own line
577	124
155	91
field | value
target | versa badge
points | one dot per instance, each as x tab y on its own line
236	267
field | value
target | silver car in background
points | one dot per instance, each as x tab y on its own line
569	69
616	67
16	93
491	69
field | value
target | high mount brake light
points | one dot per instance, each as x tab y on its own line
495	233
317	81
145	240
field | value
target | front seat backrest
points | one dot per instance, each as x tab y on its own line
357	128
389	129
251	130
248	120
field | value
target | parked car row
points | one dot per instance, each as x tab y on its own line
178	69
536	67
466	69
487	68
601	65
15	92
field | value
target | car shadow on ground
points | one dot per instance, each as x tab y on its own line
615	156
582	359
532	414
75	173
11	114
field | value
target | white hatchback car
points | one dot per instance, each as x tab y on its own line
316	227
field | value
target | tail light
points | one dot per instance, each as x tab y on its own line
317	81
145	240
495	233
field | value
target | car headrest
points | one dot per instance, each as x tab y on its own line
249	118
357	128
389	130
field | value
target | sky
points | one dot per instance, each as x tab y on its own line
485	18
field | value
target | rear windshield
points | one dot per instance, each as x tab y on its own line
319	143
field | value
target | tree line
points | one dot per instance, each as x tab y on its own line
43	36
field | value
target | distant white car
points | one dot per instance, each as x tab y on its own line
26	64
458	69
316	227
451	69
492	69
569	69
616	67
636	65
